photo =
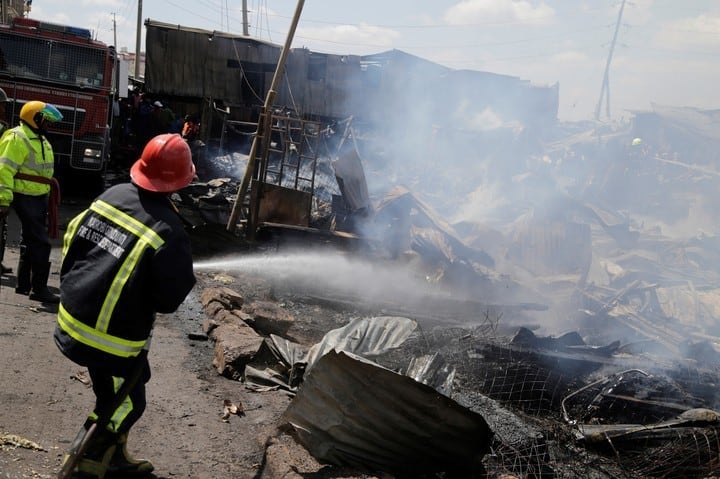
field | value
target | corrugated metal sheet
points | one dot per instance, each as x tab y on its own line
188	62
322	84
349	412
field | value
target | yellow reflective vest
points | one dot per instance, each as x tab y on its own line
125	258
22	150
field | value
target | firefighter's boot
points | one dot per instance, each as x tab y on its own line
123	464
94	463
23	274
39	280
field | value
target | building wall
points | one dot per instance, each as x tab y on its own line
205	64
387	87
131	58
322	85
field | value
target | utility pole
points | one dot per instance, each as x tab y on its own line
114	32
138	35
605	89
245	18
116	77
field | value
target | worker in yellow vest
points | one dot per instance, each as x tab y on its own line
27	166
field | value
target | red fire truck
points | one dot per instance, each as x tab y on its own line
64	66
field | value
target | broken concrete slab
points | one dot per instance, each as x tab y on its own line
268	317
235	345
226	297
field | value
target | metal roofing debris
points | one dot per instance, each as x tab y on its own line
355	413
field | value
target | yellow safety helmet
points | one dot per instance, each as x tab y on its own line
34	112
636	142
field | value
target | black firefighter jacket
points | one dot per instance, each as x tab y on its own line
124	258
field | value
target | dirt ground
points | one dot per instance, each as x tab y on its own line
45	400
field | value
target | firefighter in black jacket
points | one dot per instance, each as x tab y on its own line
125	258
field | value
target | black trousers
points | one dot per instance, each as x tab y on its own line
3	237
106	380
34	239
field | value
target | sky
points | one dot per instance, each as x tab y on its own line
665	52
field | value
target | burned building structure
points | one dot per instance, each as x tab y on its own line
400	111
194	69
586	229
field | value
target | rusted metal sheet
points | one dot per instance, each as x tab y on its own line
354	413
281	205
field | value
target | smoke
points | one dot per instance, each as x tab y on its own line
485	120
482	205
546	200
329	273
219	162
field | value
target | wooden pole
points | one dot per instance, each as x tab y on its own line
264	122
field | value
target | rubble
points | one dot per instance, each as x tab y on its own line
13	440
589	295
235	344
230	408
268	317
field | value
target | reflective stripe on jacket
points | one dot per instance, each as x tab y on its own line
24	151
124	258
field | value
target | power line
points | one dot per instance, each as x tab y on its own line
262	27
539	55
461	46
678	30
684	52
210	4
209	20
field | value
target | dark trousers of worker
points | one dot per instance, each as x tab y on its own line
34	239
106	381
3	238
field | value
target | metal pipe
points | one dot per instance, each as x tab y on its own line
138	35
245	18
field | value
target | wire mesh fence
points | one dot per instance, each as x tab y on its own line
558	416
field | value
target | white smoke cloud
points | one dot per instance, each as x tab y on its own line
342	38
696	32
499	11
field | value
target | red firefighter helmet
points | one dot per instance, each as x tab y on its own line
165	164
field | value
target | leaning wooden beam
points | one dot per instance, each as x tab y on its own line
265	121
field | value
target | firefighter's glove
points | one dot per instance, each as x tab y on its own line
4	211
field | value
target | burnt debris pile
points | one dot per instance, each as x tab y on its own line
549	297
